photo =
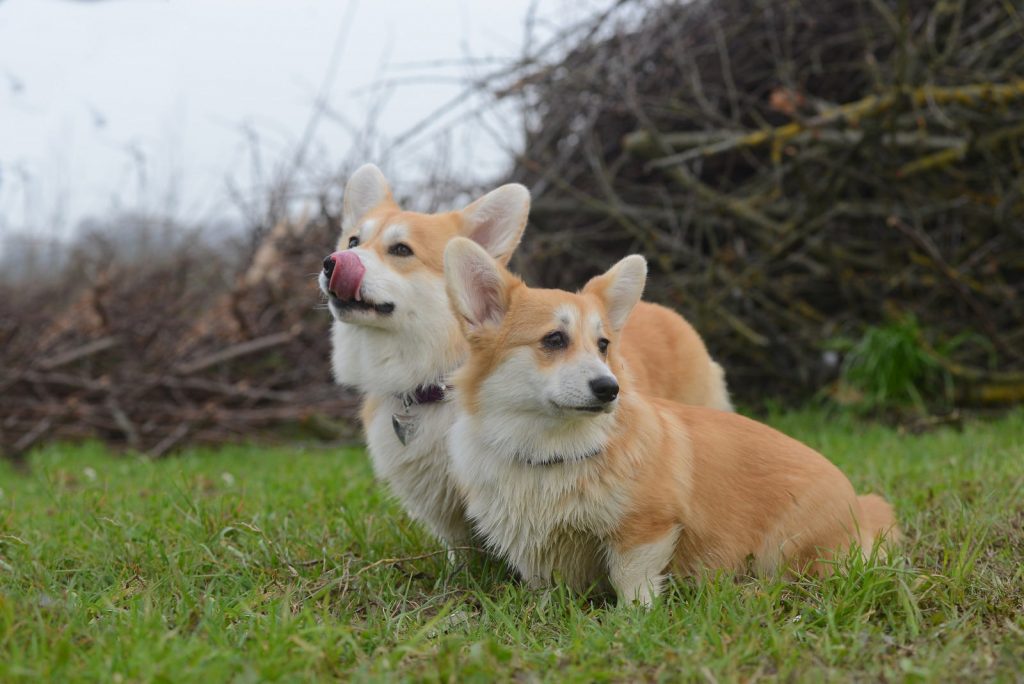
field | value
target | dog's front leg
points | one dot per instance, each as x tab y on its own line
533	573
637	572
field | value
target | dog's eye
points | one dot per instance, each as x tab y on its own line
400	250
602	345
555	340
353	241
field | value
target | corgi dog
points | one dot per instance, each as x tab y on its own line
397	342
567	469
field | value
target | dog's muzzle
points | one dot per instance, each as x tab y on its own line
344	272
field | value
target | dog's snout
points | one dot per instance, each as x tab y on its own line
605	388
344	272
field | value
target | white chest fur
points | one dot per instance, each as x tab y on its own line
418	472
546	520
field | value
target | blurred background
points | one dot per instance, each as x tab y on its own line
830	190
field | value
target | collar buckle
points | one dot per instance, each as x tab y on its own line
426	394
405	423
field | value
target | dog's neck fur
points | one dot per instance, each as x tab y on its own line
539	439
381	362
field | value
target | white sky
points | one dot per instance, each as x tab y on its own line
143	103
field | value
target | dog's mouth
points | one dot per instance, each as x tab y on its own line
586	408
340	306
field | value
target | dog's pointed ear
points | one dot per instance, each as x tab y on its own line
366	189
477	285
620	288
496	221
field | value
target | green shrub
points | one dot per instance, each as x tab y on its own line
889	366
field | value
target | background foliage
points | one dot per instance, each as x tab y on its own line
806	177
796	172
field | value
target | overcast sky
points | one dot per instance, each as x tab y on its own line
146	103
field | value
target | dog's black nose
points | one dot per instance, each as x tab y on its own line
605	388
329	266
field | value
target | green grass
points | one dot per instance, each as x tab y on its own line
251	564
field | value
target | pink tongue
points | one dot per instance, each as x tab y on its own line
347	276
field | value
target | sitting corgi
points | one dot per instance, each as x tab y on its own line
568	469
396	341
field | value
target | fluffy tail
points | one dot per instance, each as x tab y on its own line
718	391
877	523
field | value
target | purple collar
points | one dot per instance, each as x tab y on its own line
426	394
557	459
404	422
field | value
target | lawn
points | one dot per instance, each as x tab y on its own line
255	564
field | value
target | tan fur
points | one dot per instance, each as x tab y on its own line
427	235
726	492
664	353
667	358
419	343
658	348
877	514
740	490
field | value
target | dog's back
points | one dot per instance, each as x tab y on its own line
758	492
667	358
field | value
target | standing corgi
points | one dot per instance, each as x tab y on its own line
396	341
567	469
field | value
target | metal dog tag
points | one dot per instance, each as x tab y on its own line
404	425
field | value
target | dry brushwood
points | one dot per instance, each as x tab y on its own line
794	171
167	351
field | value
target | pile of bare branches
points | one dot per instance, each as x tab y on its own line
185	344
795	171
